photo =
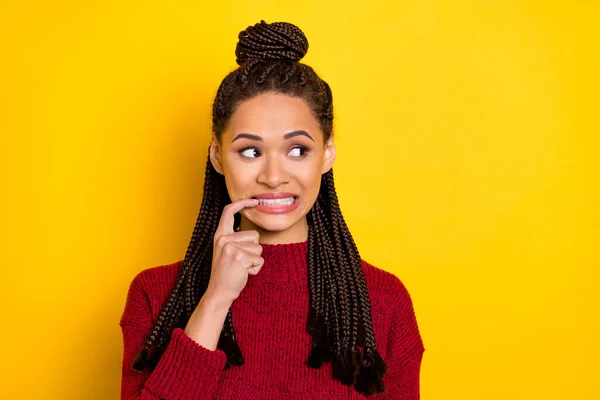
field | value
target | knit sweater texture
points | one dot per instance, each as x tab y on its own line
269	318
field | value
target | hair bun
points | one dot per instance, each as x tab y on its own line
274	41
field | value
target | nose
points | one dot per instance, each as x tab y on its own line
273	174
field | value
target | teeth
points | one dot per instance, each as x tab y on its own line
276	202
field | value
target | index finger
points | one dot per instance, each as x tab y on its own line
225	226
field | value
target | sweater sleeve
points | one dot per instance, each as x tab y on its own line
404	351
186	369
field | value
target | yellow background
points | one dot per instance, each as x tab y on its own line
467	136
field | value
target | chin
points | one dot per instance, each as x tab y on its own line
274	223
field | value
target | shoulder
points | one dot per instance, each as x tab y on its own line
394	319
383	286
158	276
149	290
391	303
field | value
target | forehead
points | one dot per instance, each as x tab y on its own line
271	114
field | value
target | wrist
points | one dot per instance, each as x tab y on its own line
206	323
215	302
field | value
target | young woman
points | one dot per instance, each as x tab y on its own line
272	299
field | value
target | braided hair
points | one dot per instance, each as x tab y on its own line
339	319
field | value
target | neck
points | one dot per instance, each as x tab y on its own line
294	234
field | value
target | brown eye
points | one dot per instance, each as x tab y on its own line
298	151
250	152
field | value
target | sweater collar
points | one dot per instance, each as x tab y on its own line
283	263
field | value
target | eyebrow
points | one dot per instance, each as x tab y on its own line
259	139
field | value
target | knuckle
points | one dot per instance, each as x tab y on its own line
227	208
239	256
221	241
229	248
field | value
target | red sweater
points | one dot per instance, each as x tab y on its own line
269	318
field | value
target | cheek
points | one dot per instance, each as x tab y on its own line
238	181
311	181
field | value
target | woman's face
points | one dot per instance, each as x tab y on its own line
273	147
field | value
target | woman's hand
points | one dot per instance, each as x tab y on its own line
235	256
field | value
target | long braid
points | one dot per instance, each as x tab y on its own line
349	270
315	280
201	243
372	368
339	319
326	341
342	370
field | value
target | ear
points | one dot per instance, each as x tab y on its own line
215	156
328	155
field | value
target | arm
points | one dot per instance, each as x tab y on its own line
402	382
186	369
405	350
